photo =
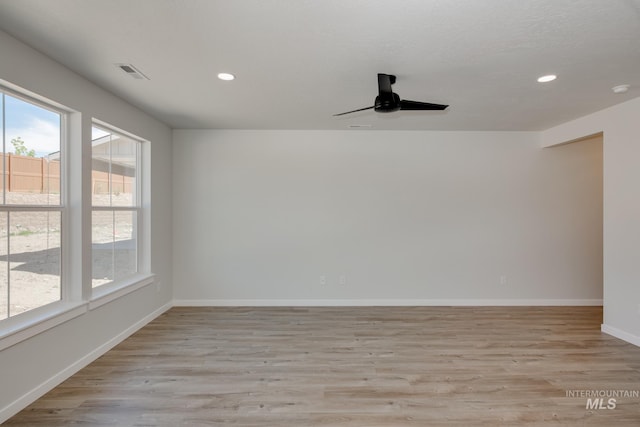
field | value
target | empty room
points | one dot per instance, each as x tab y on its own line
320	213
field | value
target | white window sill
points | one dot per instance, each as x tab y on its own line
26	325
108	292
34	322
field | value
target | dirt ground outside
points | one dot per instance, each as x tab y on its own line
30	254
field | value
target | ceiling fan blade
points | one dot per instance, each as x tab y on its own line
384	84
354	111
420	106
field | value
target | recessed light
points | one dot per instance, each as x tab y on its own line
547	78
226	76
620	88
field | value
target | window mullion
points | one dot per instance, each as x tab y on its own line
115	208
8	265
4	157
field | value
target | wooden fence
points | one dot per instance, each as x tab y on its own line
38	175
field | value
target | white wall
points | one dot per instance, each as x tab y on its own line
621	129
32	366
407	217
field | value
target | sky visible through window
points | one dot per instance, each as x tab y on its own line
38	127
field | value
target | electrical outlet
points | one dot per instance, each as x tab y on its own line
342	279
323	280
503	279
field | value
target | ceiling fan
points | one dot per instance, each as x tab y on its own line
388	102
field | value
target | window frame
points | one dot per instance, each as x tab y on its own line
77	296
106	292
17	322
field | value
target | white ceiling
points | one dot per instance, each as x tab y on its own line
298	62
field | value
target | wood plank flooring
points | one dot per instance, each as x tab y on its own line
364	366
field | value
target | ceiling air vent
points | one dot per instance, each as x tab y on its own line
132	71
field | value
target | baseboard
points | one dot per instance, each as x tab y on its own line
30	397
618	333
381	302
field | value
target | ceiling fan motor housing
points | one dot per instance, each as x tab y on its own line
388	101
387	104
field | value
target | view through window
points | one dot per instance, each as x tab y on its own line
116	205
30	205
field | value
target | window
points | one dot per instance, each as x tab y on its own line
31	204
116	205
74	229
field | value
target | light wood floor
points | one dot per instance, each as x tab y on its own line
381	366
